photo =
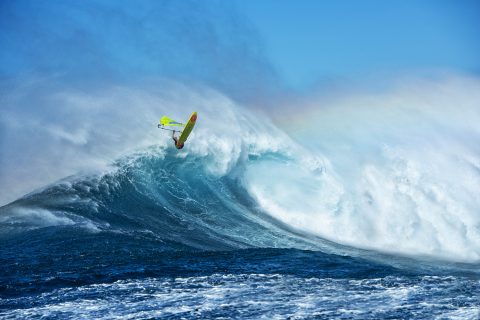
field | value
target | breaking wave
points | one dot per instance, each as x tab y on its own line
388	173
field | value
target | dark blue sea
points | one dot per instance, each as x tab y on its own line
159	237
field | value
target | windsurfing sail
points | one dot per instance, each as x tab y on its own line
168	122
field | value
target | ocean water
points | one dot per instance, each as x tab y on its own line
175	242
247	223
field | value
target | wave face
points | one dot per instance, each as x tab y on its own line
159	196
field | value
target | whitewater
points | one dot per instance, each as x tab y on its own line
355	205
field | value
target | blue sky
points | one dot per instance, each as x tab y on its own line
104	41
316	40
241	47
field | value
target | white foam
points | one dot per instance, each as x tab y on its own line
34	218
401	176
29	218
272	296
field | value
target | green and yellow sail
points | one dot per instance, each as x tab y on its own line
168	122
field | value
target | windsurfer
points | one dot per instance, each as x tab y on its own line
177	145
